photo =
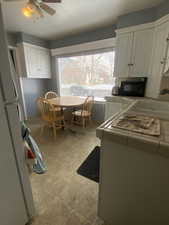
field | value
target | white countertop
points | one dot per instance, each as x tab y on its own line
158	144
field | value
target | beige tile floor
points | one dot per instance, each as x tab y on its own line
62	197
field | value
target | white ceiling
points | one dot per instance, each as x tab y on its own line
71	16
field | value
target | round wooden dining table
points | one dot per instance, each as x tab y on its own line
67	101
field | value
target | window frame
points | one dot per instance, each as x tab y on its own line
84	53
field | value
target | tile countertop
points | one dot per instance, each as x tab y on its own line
118	98
153	144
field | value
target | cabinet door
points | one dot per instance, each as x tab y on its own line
123	54
142	53
44	58
27	60
37	62
32	61
159	54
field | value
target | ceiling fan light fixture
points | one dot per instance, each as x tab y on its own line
27	11
37	7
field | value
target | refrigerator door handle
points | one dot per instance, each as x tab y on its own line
15	99
19	112
13	81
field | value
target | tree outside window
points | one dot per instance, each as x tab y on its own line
87	75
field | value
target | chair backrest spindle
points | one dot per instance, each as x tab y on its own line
51	94
88	104
47	110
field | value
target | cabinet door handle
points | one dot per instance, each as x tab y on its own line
163	60
130	64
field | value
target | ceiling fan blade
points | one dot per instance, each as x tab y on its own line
39	11
14	0
52	1
47	9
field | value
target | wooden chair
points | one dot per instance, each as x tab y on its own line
51	94
83	115
53	118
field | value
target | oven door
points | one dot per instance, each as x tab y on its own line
136	89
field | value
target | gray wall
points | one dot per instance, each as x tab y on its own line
54	82
14	38
99	34
144	16
22	37
33	88
136	18
11	38
163	9
98	111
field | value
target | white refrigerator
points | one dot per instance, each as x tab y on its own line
16	202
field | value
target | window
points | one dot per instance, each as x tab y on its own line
87	74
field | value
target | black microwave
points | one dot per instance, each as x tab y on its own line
134	87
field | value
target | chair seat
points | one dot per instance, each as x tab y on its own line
83	113
56	109
49	119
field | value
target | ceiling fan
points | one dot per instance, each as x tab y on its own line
37	7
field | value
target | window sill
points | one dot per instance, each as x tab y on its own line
96	99
101	100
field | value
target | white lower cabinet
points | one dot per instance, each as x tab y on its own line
34	61
133	184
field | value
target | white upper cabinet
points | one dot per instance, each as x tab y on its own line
133	53
159	59
141	53
123	55
161	50
34	61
